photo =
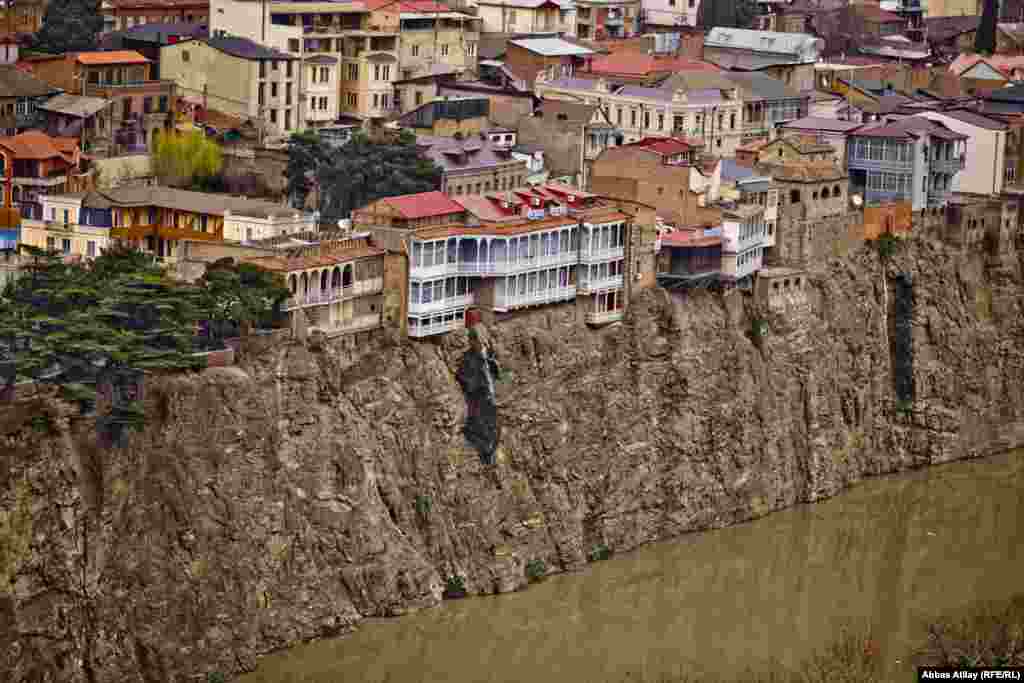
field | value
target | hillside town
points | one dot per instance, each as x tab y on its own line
563	153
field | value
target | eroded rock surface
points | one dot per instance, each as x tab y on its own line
289	497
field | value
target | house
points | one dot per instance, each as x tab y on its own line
473	164
638	68
666	15
986	169
557	245
142	105
653	171
767	102
89	118
22	17
393	217
529	58
914	158
831	131
336	285
41	165
606	19
572	135
814	215
20	94
845	29
796	147
431	35
163	220
980	224
237	76
527	16
762	191
952	35
790	57
121	15
712	112
446	117
727	254
147	39
66	228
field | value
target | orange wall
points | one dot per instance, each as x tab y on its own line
875	219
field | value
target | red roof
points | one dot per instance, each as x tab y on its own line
424	204
639	64
663	146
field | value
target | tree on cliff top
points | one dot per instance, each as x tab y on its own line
94	327
360	172
69	26
233	295
186	159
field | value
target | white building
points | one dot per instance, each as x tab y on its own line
744	232
761	191
666	13
527	16
986	168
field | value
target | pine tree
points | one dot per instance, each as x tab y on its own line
69	26
985	37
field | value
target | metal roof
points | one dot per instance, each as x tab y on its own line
75	105
551	47
821	123
799	46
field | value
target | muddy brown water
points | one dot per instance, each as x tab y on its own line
887	555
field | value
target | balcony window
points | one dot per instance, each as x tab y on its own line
65	246
273	65
147	105
273	89
263	69
288	69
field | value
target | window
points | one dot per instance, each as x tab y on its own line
273	116
66	216
262	94
90	249
471	49
288	69
293	45
419	98
414	50
51	243
1010	173
632	118
376	100
444	49
263	69
273	89
353	72
273	65
325	74
65	246
353	100
647	120
287	119
162	104
692	4
287	93
661	122
618	116
732	120
184	57
323	103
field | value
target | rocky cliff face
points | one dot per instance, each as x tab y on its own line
286	498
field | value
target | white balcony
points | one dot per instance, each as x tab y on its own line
319	298
491	268
602	255
440	305
436	328
600	284
602	317
504	302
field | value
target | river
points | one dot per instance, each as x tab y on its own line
889	553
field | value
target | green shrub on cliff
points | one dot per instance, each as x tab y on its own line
536	570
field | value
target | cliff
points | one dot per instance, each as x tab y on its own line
288	497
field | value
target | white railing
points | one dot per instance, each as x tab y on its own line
439	305
505	267
597	318
371	286
436	328
602	254
610	282
318	298
545	296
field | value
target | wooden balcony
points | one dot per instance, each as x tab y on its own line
138	232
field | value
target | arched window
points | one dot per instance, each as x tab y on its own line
323	280
292	283
336	277
346	276
305	283
794	196
836	192
824	193
814	195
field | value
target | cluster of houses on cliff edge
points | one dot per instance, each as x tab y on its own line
583	156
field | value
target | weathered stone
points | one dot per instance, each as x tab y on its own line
292	495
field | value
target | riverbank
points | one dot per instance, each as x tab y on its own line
308	488
989	634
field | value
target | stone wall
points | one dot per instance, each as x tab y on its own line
276	501
807	241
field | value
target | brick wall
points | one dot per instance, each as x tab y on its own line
804	241
896	218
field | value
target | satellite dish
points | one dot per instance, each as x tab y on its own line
857	200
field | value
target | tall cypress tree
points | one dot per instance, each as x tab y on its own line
985	37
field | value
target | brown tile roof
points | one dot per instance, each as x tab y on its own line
638	64
803	171
35	144
329	255
112	57
196	202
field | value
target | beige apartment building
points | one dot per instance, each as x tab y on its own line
237	76
527	16
432	37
